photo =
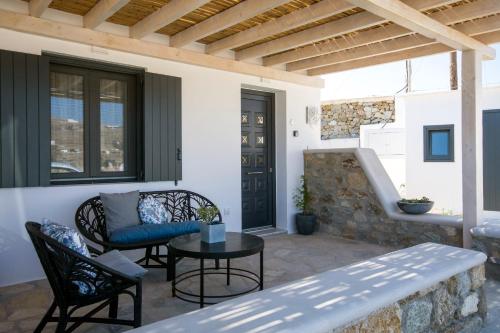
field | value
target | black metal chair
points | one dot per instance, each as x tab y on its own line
181	206
63	267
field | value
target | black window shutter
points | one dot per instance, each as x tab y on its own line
24	120
162	128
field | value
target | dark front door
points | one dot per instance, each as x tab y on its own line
491	160
257	156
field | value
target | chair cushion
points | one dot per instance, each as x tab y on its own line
120	210
150	232
152	211
117	261
71	239
66	236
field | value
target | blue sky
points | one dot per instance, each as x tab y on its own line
429	74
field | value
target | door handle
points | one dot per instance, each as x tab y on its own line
255	173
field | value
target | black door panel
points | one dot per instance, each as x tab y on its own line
491	160
257	181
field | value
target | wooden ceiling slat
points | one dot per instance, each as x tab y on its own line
410	18
470	28
293	20
422	51
474	10
322	32
376	34
363	34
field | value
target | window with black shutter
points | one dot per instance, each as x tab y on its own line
65	121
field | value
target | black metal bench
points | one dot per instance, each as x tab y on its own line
181	206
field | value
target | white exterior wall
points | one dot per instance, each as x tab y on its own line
440	181
211	107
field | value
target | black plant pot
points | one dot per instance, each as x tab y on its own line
415	208
305	223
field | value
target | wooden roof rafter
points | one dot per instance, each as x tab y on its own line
295	19
37	7
304	35
474	28
451	15
225	19
169	13
422	51
472	11
410	18
48	28
102	11
329	30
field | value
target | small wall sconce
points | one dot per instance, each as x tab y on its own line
312	115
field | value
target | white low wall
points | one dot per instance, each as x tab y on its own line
327	301
211	147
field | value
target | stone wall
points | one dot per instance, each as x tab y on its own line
343	119
455	305
346	206
491	247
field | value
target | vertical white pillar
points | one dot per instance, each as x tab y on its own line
472	143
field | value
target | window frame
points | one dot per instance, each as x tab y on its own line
428	157
133	120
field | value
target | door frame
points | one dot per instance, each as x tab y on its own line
271	152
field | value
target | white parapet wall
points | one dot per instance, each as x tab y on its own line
422	288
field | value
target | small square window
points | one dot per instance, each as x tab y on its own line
438	143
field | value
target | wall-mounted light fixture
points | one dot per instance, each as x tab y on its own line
312	115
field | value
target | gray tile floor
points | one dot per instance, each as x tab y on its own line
287	258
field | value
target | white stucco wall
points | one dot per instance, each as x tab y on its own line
211	150
440	181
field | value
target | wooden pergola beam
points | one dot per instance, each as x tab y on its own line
229	17
42	27
311	35
315	12
172	11
400	13
422	51
448	16
470	28
37	7
325	31
101	12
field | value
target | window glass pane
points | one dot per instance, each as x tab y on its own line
439	143
66	107
112	109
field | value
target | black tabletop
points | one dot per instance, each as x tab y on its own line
236	245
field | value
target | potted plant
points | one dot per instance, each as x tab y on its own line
305	220
415	206
212	231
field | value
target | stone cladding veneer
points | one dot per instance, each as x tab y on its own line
456	305
343	119
491	247
346	206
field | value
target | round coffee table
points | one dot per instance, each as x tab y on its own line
237	245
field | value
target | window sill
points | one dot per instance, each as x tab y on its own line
100	180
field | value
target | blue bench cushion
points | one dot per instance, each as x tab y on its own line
150	232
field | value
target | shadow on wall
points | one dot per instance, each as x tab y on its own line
13	248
